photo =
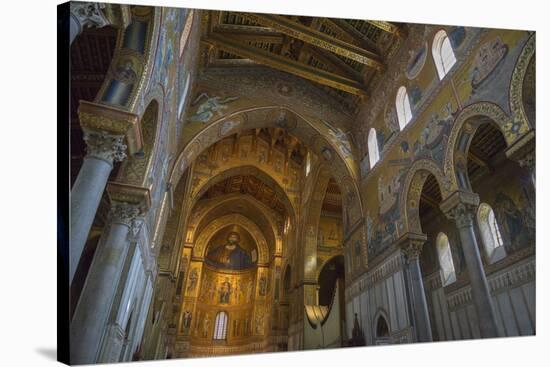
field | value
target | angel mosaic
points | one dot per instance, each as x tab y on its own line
210	107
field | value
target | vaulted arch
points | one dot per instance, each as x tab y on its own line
330	144
413	185
462	133
201	216
257	172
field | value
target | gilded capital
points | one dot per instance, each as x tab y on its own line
99	117
130	194
102	145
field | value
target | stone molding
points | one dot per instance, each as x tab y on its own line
508	279
114	121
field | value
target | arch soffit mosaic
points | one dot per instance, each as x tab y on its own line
317	135
206	235
413	185
516	84
480	112
197	222
133	58
247	170
137	169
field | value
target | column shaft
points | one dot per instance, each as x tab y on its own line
103	149
92	312
412	246
478	282
423	326
85	198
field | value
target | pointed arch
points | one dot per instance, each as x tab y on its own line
412	191
463	131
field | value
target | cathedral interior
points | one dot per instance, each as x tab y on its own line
246	183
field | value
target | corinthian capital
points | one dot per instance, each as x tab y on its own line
463	214
102	145
89	14
124	213
528	160
411	245
413	249
461	206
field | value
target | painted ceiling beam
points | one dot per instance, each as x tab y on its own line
316	38
349	34
285	64
388	27
477	157
430	201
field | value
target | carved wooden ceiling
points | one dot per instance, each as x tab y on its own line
247	185
484	150
341	55
91	55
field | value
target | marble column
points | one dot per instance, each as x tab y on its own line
102	150
92	312
461	207
412	247
86	15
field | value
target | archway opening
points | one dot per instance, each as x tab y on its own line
331	273
506	194
438	253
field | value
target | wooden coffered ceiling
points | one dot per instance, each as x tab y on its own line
341	55
247	185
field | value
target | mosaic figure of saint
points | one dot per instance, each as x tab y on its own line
225	291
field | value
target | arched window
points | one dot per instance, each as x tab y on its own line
220	326
443	54
490	233
374	153
186	31
403	106
448	274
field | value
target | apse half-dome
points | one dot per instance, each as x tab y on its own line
232	248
